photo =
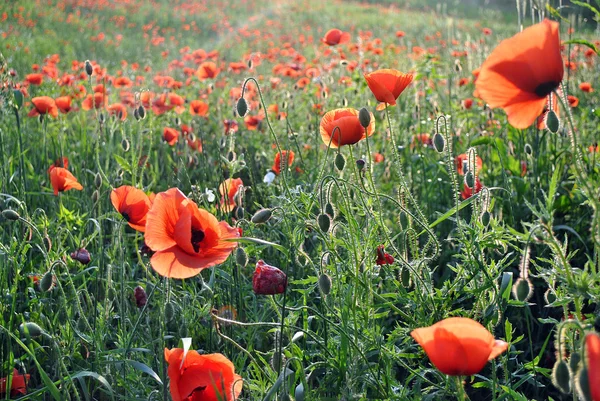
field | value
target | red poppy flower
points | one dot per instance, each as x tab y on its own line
133	204
198	108
341	127
209	377
64	104
592	348
387	84
268	280
18	385
170	135
34	79
586	87
118	110
467	191
122	82
228	189
43	105
63	180
573	101
186	239
383	258
252	122
231	126
521	72
467	103
458	346
95	101
335	37
277	162
207	70
462	158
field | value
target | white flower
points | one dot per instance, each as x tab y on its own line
210	195
269	177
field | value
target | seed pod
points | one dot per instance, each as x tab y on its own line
47	281
340	162
523	289
31	329
241	107
364	117
169	311
552	121
574	362
470	179
18	98
561	377
125	145
439	143
88	68
262	216
241	257
324	222
325	284
582	382
10	214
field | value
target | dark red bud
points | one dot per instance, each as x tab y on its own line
268	280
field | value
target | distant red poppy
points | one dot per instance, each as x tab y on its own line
467	103
34	79
198	108
521	72
573	101
341	127
592	348
400	34
133	204
227	190
252	122
185	239
335	37
231	126
170	135
43	105
207	70
118	110
62	180
586	87
195	377
122	82
277	162
383	258
388	84
18	385
95	101
458	346
64	104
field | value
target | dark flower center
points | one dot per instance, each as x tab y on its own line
197	237
126	216
546	88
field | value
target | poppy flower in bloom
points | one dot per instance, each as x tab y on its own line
277	162
119	110
43	105
64	104
341	127
198	108
170	135
458	346
185	239
228	189
573	101
34	79
383	258
268	280
207	70
387	84
18	385
521	72
335	37
195	377
586	87
592	348
133	204
62	180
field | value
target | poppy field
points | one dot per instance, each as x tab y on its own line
299	200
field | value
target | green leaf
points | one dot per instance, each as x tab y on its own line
123	163
145	369
94	375
273	390
259	242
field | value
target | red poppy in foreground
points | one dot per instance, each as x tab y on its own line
458	346
209	377
341	127
387	84
133	204
62	180
335	37
18	385
277	162
592	348
186	239
43	105
521	72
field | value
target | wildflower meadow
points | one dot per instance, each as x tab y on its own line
209	200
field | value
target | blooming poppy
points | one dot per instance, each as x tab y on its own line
335	37
586	87
198	108
573	101
521	72
383	258
43	105
195	377
252	122
228	189
592	348
207	70
63	180
170	135
185	239
268	280
458	346
388	84
119	110
133	204
18	385
341	127
277	162
34	79
63	104
95	101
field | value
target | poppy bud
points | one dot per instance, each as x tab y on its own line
169	311
299	392
574	362
47	243
405	278
268	280
141	112
31	329
241	107
262	216
250	65
340	162
82	324
528	149
10	214
47	281
485	218
561	377
438	142
140	296
364	117
18	98
101	118
325	284
231	155
330	210
549	296
470	179
98	180
241	257
82	256
552	121
136	114
360	164
95	196
88	68
239	213
583	385
523	290
324	222
125	145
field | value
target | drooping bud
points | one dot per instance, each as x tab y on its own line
528	149
95	196
47	281
485	218
439	143
98	180
241	257
360	164
340	162
31	329
10	214
125	145
82	256
470	179
136	114
329	209
364	117
325	284
523	289
582	381
88	68
262	216
141	112
239	212
324	222
574	362
561	377
552	121
268	280
18	98
241	107
549	296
